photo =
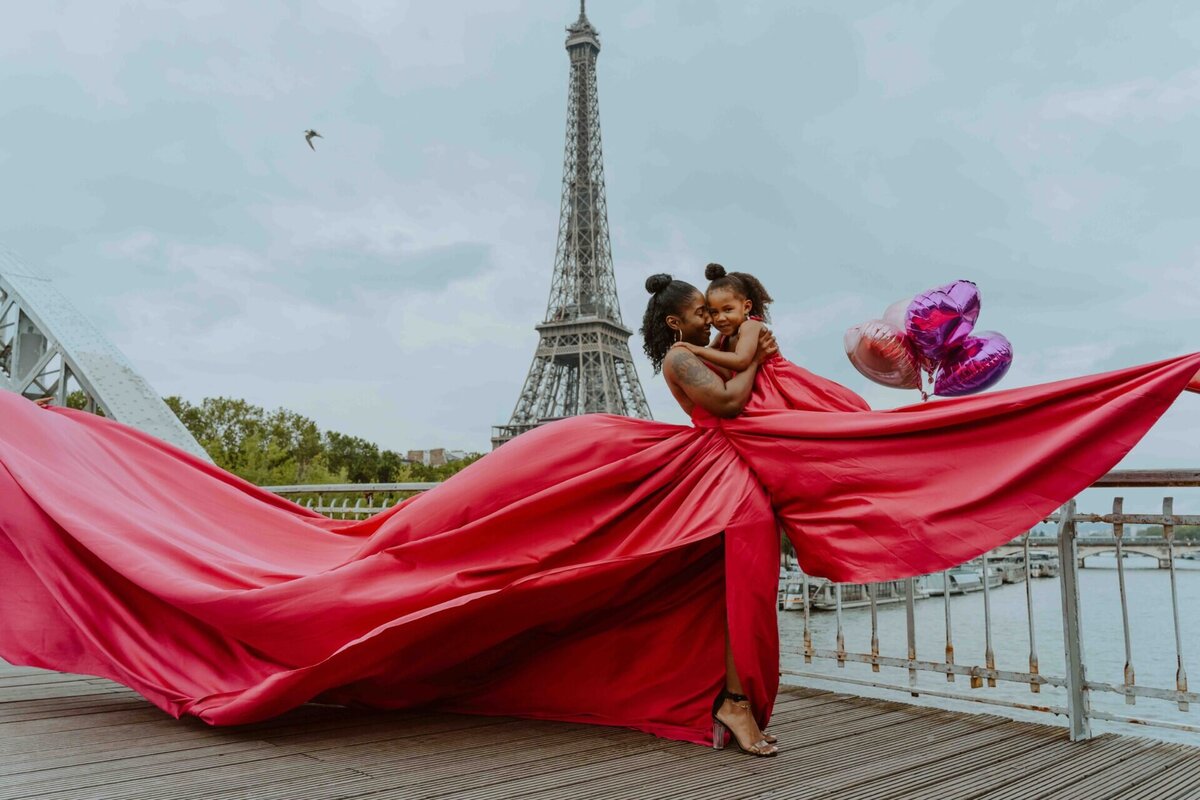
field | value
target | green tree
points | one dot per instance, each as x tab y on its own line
77	400
282	447
355	458
294	439
1184	532
391	466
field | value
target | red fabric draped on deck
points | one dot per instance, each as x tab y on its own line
583	572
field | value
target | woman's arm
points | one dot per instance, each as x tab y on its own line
703	387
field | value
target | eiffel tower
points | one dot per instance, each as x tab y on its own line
582	363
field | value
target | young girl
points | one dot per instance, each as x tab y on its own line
738	308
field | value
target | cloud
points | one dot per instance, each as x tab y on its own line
377	228
1055	362
808	317
239	76
135	247
896	52
388	284
1142	100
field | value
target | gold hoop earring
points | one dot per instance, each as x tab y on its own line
678	335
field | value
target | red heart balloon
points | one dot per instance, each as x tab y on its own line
882	353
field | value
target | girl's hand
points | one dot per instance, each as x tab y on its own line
691	348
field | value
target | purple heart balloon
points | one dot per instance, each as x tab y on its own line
979	362
938	320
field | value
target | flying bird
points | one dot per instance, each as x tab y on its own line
308	137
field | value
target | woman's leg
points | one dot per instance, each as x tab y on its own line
733	683
737	715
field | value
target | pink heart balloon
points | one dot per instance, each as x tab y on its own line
896	313
938	320
881	352
978	363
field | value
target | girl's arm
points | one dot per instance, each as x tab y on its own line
742	356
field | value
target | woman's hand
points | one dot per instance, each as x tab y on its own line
43	401
767	347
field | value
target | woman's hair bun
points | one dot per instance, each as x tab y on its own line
714	271
656	283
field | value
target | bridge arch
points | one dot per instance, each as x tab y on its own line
48	348
1156	553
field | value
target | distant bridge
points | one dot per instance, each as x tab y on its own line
1151	547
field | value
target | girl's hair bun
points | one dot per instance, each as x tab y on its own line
656	283
714	271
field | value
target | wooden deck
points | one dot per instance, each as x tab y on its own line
67	736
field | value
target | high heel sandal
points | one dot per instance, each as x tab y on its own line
740	698
763	748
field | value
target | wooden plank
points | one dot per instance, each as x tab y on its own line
688	770
950	761
868	721
9	681
799	769
815	754
997	773
73	707
481	763
1089	761
89	738
96	720
452	752
420	741
7	669
947	756
1116	779
288	776
508	784
80	778
1181	782
18	694
306	736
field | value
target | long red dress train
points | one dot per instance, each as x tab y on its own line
584	571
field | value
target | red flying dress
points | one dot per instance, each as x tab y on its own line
582	572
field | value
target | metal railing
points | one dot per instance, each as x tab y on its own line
348	501
1074	683
335	499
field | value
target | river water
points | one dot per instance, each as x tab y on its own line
1152	635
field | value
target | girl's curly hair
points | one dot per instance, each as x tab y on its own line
742	284
667	297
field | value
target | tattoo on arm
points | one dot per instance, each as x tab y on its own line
690	371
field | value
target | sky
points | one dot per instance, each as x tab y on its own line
153	164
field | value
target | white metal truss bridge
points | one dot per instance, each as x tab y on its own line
49	349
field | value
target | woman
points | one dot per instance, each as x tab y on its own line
678	313
589	570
